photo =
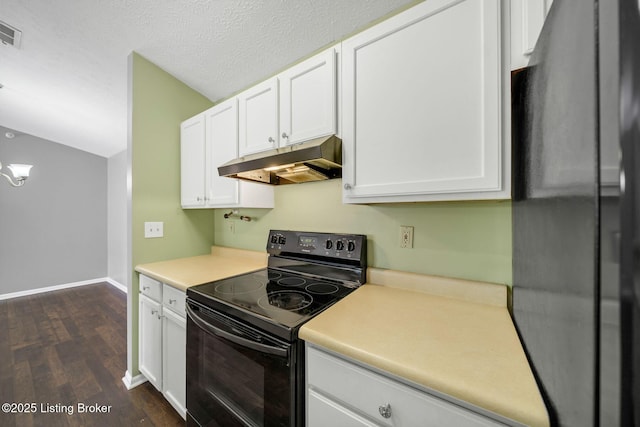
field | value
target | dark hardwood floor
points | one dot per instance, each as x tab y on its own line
62	349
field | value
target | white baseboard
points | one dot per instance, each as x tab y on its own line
63	286
132	382
118	285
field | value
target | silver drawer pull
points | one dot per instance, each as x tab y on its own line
172	301
385	410
145	288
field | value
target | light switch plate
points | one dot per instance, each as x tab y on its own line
153	230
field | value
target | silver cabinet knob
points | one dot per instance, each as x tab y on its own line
385	410
284	135
145	288
347	186
198	199
271	139
172	301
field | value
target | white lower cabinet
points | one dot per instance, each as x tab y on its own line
174	334
162	337
345	394
150	338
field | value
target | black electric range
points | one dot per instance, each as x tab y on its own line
245	363
307	272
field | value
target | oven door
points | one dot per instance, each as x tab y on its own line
237	375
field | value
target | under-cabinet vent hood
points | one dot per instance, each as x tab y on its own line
315	160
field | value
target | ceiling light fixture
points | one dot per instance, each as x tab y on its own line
19	171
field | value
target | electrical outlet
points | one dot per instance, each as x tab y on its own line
231	226
153	230
406	236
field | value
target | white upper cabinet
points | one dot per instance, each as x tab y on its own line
308	99
222	145
192	162
259	117
527	19
209	140
423	96
297	105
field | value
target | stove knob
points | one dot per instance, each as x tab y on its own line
340	245
274	239
328	244
282	240
351	246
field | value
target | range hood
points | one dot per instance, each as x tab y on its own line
315	160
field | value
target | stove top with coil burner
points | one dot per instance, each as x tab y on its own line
307	272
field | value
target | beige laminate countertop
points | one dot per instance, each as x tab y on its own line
464	344
222	262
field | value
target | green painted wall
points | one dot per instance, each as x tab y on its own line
469	240
159	103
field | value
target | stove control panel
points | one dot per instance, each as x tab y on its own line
331	245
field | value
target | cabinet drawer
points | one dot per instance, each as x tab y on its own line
369	393
321	412
174	299
151	288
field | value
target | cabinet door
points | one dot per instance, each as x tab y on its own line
192	162
308	99
259	117
222	146
527	19
174	350
422	98
150	341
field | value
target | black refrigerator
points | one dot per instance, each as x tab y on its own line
576	219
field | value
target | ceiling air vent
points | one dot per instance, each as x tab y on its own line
10	35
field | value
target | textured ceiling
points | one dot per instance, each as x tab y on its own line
68	80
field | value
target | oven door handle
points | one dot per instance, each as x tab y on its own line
208	327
